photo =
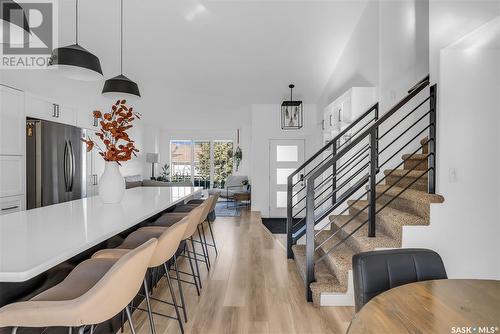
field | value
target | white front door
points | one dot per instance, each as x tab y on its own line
285	157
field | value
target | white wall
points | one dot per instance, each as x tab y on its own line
358	64
266	126
465	229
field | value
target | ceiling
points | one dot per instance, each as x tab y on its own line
193	55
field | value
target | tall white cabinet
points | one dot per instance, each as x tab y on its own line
12	150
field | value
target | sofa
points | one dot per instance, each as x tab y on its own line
133	181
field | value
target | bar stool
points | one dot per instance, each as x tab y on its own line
195	202
95	291
168	243
197	215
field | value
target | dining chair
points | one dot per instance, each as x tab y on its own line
378	271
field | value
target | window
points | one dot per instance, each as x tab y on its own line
205	163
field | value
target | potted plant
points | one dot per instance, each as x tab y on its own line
165	174
238	155
118	147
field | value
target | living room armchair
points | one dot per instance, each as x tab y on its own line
234	184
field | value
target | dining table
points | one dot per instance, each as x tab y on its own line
436	306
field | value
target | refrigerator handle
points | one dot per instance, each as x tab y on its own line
72	166
66	166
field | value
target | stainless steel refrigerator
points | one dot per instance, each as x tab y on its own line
55	163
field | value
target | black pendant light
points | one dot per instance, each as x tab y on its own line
291	113
13	26
76	62
120	86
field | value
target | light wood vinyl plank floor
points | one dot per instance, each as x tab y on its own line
251	288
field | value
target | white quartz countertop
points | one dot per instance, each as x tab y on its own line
33	241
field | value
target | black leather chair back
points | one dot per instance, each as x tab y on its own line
378	271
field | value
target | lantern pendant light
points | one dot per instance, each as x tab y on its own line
13	24
291	113
76	62
120	86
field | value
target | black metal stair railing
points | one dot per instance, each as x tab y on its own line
353	174
295	183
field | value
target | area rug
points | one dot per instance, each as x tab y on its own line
222	209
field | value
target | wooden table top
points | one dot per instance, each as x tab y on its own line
440	306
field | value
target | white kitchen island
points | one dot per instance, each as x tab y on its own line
34	241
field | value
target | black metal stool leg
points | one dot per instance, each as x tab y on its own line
180	288
202	244
186	248
129	317
206	244
213	239
150	310
196	262
174	302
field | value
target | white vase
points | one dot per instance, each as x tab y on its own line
111	184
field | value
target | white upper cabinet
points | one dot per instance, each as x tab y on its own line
339	114
12	121
86	120
42	108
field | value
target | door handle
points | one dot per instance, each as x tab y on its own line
331	120
54	112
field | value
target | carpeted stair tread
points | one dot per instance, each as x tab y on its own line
325	279
340	259
403	172
360	240
416	156
410	194
389	220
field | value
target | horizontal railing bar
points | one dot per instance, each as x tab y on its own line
357	132
401	177
354	157
404	189
404	132
341	242
299	222
298	191
405	117
405	145
343	211
398	165
336	189
376	125
421	82
342	198
348	180
337	137
357	163
348	222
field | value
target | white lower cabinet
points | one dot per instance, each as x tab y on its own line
12	175
11	204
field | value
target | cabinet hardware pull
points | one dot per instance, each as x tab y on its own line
331	120
10	208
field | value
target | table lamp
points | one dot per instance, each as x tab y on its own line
152	158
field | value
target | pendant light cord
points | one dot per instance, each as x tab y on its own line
121	37
76	22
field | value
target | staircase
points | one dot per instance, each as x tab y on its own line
356	196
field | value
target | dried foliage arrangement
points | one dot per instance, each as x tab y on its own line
114	125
